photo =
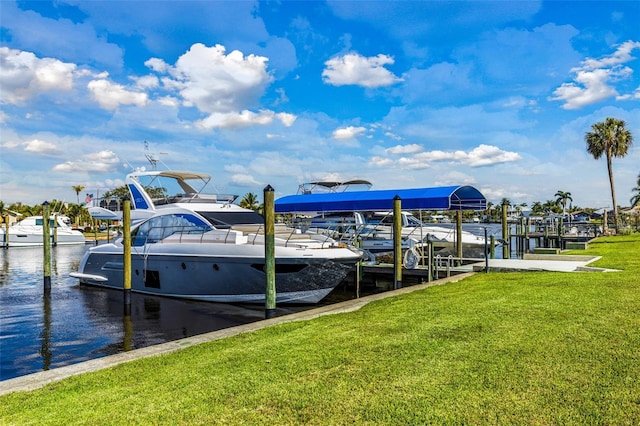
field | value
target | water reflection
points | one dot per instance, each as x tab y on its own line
77	323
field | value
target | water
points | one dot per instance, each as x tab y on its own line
78	323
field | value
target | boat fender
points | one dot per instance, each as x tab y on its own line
411	258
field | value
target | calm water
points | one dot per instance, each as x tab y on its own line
77	323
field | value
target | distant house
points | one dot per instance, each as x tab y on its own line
12	216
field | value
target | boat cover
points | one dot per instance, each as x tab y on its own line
438	198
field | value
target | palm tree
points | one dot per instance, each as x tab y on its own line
536	208
562	198
635	200
249	201
488	211
78	189
612	139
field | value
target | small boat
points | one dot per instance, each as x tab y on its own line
28	232
192	245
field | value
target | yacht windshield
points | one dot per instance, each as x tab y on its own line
222	220
160	227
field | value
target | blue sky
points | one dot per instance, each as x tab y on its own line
407	94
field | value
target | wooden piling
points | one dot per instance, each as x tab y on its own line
45	335
6	231
505	233
55	229
126	256
486	253
358	270
429	259
127	325
46	240
397	242
269	252
459	234
492	248
560	232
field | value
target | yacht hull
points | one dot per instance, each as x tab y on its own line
23	239
198	275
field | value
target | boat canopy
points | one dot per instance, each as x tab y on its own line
438	198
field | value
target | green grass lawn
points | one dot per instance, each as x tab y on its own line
498	348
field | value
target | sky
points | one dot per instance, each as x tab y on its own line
408	94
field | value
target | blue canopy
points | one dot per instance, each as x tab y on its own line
439	198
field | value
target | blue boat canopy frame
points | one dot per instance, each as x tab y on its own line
438	198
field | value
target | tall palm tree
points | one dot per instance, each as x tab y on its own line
562	198
78	189
611	138
635	200
249	201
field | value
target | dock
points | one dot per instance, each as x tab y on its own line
382	275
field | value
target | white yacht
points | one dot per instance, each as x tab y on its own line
193	245
28	232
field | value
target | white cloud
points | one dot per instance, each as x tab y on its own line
630	96
97	162
24	76
405	149
482	155
348	132
591	88
244	180
244	119
218	83
354	69
111	95
594	79
157	65
620	56
380	161
41	147
486	155
412	163
169	101
146	82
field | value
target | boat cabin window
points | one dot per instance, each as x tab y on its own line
40	222
223	220
160	227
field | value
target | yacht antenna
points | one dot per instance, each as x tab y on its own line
153	159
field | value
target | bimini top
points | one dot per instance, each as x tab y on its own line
439	198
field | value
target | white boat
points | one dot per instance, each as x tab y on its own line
193	245
28	232
374	230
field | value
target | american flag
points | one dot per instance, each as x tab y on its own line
88	199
